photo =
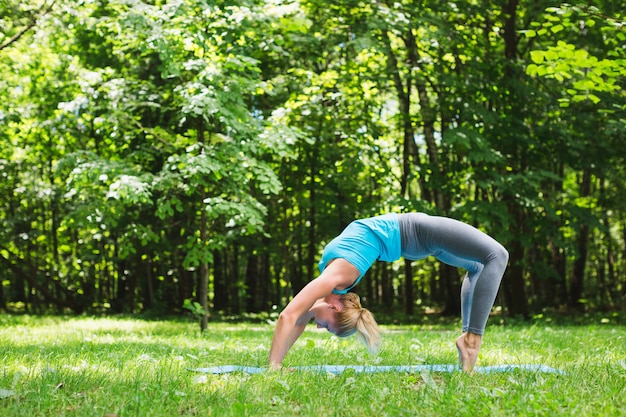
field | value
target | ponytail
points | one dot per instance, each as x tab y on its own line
354	318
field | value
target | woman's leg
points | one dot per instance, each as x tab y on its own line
461	245
467	289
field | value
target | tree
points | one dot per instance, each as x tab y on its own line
167	154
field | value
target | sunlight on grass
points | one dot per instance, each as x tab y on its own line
103	366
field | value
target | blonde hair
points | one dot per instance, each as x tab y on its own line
354	318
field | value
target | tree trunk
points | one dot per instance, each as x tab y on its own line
186	286
613	277
131	291
3	301
558	288
298	284
578	271
510	29
252	284
386	287
513	286
623	222
232	266
449	277
220	293
609	277
582	241
374	291
203	284
203	294
286	264
409	291
263	301
149	300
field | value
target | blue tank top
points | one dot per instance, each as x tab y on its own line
363	242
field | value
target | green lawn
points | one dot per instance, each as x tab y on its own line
126	367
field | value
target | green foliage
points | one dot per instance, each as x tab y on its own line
148	143
194	308
587	74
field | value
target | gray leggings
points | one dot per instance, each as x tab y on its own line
461	245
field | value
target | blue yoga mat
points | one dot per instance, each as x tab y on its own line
338	369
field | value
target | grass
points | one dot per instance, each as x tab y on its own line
106	367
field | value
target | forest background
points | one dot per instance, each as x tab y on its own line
158	155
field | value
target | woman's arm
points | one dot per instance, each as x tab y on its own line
294	318
285	335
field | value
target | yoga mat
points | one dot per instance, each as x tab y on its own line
338	369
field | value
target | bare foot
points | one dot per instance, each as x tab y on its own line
468	345
459	349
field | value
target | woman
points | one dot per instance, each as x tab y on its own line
347	258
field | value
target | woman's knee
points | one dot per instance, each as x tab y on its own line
501	255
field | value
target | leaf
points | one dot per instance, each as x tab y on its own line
556	28
551	54
581	56
595	99
532	70
537	56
